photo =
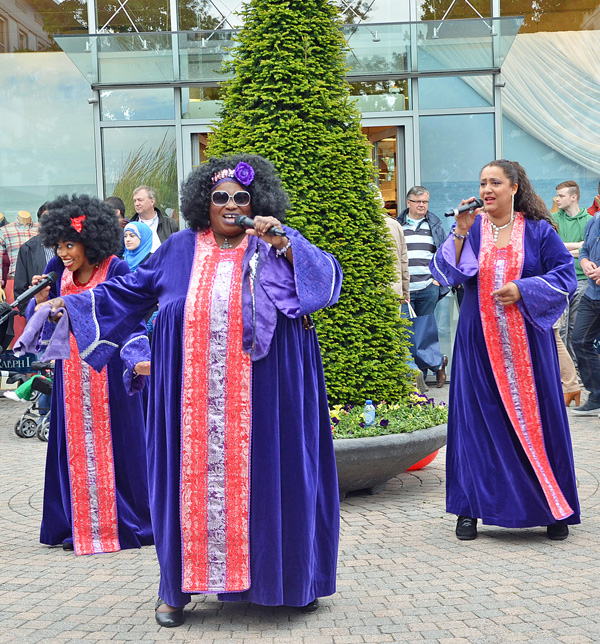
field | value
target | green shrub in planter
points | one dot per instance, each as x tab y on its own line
288	100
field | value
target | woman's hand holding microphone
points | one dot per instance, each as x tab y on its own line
42	299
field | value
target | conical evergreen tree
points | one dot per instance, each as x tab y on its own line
288	100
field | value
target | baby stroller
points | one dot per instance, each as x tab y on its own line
35	421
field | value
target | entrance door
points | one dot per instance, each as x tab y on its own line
389	158
194	148
389	154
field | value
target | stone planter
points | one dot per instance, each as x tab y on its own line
369	463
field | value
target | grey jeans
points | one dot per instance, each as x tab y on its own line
567	320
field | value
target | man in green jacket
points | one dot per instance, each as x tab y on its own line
571	221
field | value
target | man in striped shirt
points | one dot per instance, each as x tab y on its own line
424	234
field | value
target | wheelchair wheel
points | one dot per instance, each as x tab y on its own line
28	428
43	428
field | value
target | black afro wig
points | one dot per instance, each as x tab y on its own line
268	198
100	233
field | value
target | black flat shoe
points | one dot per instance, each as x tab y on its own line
169	620
557	531
68	546
466	528
310	607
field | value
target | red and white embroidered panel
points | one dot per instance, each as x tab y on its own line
89	443
508	347
215	425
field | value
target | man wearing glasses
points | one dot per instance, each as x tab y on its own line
424	234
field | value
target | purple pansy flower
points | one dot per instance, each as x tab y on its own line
244	173
385	422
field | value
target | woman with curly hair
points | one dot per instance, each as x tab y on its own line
509	460
243	485
96	491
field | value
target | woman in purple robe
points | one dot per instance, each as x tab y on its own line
509	456
243	484
96	490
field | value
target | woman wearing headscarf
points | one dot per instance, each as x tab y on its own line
137	238
95	491
243	484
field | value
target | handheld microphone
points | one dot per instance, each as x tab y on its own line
30	292
471	205
246	222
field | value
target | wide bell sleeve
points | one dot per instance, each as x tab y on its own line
544	297
110	318
446	270
271	283
311	283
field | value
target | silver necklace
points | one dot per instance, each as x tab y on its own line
225	245
497	229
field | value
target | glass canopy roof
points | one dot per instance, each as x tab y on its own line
375	51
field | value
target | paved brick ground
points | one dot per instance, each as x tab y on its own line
403	577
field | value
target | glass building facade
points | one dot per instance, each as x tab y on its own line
100	96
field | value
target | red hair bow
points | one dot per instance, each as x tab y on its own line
77	222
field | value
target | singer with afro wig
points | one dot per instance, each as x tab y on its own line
95	491
243	483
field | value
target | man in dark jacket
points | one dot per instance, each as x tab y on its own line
424	234
587	322
162	226
31	260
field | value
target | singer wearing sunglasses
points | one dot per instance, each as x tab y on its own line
243	485
509	460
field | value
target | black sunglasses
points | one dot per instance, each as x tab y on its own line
221	198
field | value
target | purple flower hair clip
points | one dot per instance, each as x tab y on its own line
243	174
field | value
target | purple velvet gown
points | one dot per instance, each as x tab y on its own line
294	508
489	475
127	437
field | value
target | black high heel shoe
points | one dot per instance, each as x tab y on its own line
171	619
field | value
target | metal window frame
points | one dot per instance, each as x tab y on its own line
407	121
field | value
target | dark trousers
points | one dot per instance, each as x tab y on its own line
425	300
424	303
585	331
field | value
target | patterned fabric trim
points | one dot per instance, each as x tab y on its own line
508	347
558	290
96	342
439	270
89	443
215	426
332	290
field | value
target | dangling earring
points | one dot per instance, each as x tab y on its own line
512	207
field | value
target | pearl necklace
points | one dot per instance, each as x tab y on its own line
497	229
